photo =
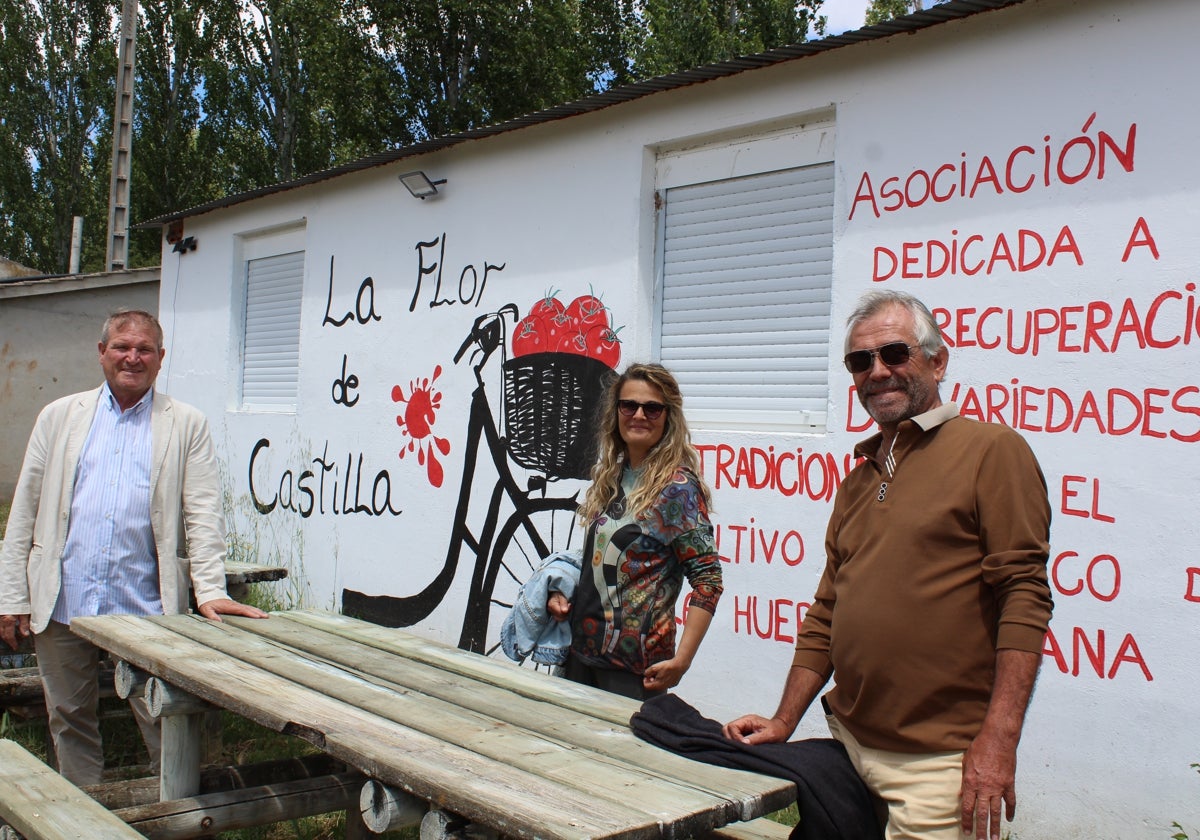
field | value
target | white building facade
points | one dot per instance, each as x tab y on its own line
402	407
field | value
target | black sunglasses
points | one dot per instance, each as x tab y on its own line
650	410
896	353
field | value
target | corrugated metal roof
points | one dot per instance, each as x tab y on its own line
933	16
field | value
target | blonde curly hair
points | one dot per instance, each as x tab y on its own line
675	450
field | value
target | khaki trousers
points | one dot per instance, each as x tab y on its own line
70	670
917	794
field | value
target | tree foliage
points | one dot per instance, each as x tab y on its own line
170	167
680	34
237	94
883	10
463	63
58	71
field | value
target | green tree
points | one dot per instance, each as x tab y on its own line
18	202
293	86
169	169
458	64
236	94
882	10
59	70
681	34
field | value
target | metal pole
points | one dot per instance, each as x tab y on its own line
117	256
76	244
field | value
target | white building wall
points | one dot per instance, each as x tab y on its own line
1112	410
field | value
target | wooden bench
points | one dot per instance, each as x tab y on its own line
239	576
39	804
759	829
22	688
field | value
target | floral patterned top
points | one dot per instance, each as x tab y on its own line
623	613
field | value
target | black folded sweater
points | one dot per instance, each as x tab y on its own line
834	802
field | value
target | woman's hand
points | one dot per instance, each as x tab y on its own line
666	674
558	606
663	675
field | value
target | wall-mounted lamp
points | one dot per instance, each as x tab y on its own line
185	245
419	185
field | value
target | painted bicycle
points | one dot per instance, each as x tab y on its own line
545	425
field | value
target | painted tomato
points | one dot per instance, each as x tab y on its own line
556	326
572	341
586	311
548	307
530	336
604	345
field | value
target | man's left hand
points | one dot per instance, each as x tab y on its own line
988	777
218	607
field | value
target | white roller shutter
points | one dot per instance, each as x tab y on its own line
746	269
271	360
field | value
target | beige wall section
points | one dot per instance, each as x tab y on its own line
48	334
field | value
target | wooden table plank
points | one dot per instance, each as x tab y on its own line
749	794
523	681
45	805
515	802
458	718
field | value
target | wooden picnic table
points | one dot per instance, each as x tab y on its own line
507	748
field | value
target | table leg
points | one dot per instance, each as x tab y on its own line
181	747
356	829
182	717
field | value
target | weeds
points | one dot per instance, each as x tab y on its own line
1180	832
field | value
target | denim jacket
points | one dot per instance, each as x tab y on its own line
529	629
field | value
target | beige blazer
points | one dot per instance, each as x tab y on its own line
185	507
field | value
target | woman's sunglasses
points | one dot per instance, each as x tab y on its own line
896	353
650	410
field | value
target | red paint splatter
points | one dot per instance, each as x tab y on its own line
416	423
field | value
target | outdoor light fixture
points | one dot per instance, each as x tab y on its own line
419	185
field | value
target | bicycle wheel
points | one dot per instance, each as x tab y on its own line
529	535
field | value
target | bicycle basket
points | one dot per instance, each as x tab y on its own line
550	406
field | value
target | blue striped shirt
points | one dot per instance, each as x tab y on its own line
109	562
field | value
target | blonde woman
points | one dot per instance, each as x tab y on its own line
646	514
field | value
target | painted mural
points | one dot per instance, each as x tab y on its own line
453	352
553	362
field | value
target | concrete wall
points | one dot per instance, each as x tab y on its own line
1029	173
48	334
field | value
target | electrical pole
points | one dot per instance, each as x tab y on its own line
117	256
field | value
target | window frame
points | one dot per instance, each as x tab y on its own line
721	164
261	248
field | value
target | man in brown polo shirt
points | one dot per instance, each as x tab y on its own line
934	601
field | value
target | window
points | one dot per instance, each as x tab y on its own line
745	280
274	278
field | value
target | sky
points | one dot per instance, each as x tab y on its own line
843	15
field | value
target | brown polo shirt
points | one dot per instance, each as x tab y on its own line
929	571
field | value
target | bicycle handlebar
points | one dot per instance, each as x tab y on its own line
487	333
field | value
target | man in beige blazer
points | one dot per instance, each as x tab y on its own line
126	453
